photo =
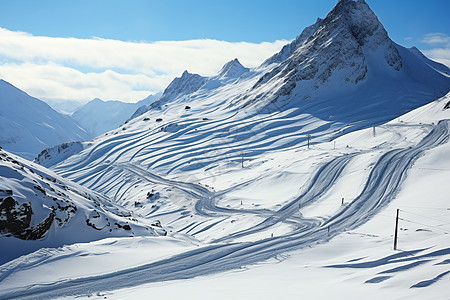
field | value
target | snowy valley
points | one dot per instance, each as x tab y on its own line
255	183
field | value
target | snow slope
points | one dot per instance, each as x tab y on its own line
98	116
307	149
41	209
28	125
347	245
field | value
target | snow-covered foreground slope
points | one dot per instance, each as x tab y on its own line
98	116
41	209
250	165
347	247
28	125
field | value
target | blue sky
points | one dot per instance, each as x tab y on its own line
232	20
78	50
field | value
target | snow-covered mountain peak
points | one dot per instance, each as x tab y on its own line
338	52
186	84
232	69
359	20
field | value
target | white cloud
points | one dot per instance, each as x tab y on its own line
442	53
81	69
436	38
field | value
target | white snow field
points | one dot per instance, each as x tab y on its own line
276	182
28	125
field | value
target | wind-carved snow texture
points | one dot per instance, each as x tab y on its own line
207	127
381	186
404	261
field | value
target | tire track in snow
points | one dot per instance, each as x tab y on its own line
381	187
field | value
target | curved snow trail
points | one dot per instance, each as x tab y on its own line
205	204
381	187
322	181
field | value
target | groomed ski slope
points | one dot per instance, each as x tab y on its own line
381	185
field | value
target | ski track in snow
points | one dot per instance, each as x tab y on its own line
382	185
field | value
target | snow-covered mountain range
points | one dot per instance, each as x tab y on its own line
98	116
292	161
28	125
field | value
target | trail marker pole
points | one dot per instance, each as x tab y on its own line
342	203
396	230
374	131
309	136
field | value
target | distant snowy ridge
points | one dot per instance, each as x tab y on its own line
190	83
98	116
232	69
28	125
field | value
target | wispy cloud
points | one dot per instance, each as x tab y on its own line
442	51
436	38
81	69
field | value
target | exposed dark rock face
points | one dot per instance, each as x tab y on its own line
15	219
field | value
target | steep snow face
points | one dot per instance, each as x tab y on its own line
232	69
288	49
28	125
184	85
340	44
437	66
344	67
98	116
36	204
181	86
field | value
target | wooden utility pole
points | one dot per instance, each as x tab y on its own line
396	230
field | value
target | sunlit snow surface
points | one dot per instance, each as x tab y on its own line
276	182
359	259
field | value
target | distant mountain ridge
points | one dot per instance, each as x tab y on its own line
99	116
28	125
190	83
